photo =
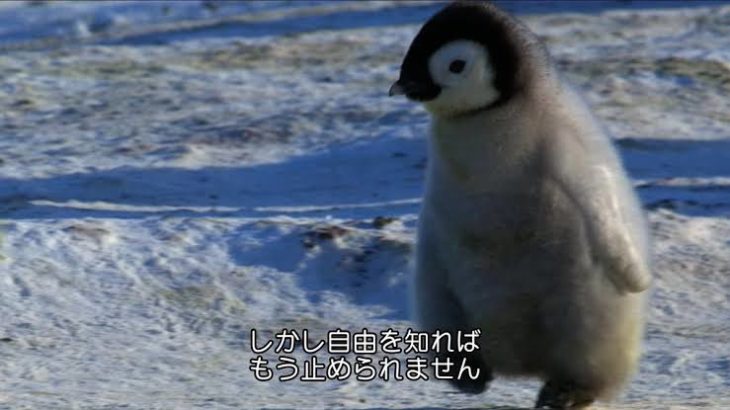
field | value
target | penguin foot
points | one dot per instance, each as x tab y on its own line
561	395
467	384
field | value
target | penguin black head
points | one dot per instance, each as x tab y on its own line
466	57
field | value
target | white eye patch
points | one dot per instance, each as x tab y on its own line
463	71
456	61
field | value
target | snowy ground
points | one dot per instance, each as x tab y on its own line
175	174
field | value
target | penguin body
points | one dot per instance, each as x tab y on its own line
530	229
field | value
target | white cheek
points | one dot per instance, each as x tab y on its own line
471	92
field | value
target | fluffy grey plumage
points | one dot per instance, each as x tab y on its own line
530	229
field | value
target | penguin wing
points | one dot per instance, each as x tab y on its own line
613	224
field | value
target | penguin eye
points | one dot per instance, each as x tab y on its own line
457	66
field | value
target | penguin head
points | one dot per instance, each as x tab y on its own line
465	58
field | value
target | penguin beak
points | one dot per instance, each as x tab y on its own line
396	89
414	91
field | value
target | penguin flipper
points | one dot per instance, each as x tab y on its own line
613	229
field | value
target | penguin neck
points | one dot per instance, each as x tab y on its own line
480	151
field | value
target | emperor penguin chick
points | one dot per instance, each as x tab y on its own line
530	229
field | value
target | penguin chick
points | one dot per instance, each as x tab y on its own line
530	229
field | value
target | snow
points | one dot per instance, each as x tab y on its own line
173	175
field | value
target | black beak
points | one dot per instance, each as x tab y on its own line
414	91
396	89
